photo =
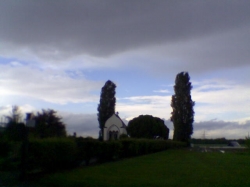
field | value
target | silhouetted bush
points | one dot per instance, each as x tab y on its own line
123	136
110	150
87	149
5	148
15	131
55	154
136	147
52	154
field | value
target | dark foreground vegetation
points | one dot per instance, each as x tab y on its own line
169	168
43	156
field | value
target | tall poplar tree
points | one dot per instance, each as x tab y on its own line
182	104
106	108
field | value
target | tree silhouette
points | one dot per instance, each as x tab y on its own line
15	115
146	126
182	104
48	124
106	108
14	127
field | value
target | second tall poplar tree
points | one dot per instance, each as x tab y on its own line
106	108
182	104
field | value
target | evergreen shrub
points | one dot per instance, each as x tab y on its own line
87	149
5	148
136	147
52	153
110	150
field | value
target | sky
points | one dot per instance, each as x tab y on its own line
59	54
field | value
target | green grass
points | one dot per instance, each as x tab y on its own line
170	168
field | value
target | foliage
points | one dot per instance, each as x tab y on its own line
182	104
247	142
136	147
106	108
5	148
123	136
48	124
14	131
112	150
15	115
86	149
146	126
52	153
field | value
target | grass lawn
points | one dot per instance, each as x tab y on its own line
170	168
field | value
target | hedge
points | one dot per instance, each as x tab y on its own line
136	147
5	148
113	150
62	153
52	153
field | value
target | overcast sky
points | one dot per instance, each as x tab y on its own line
59	54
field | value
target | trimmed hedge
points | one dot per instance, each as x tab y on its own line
113	150
62	153
52	153
5	148
94	149
87	149
136	147
109	151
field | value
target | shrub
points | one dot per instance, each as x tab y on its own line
136	147
52	153
110	150
247	142
5	148
87	149
123	136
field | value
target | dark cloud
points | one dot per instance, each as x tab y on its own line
216	129
219	128
215	124
63	29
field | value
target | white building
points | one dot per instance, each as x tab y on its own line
114	128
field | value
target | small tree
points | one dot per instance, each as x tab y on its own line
15	115
182	104
14	127
146	126
106	108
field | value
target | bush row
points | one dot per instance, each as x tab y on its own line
51	154
62	153
112	150
5	148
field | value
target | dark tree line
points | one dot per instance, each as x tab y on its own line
47	124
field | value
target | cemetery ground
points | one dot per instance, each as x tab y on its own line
183	167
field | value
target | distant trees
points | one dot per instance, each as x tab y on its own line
106	108
15	115
48	124
182	104
15	126
147	126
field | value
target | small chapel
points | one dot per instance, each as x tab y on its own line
114	128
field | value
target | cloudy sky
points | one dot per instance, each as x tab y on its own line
59	54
